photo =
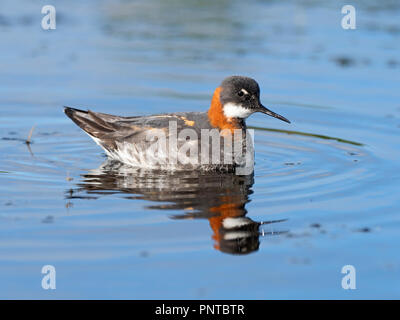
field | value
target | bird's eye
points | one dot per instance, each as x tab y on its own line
240	93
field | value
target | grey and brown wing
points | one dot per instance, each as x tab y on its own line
109	130
105	129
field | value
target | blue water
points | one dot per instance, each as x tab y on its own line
329	182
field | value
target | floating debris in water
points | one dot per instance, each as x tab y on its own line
29	139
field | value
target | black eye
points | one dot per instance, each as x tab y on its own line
240	93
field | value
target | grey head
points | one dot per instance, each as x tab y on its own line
240	97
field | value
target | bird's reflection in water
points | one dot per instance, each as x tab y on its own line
221	198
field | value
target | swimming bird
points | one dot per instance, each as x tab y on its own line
181	141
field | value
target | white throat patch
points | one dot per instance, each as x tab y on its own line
233	110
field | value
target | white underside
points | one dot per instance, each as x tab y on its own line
135	156
148	158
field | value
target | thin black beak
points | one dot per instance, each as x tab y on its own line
263	109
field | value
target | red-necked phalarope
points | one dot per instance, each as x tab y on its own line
163	141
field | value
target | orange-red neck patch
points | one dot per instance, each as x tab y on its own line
216	114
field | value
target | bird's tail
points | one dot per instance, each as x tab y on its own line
91	122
